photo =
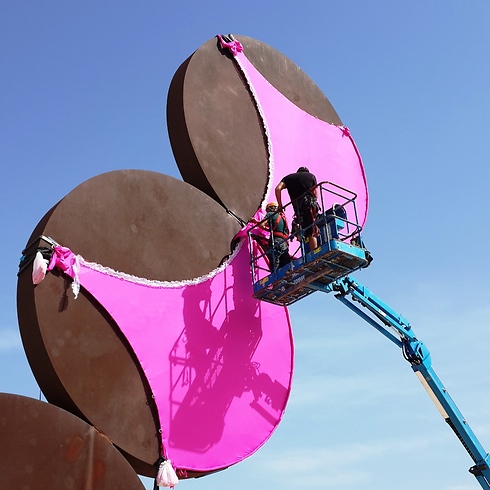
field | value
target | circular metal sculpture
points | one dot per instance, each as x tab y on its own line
43	446
239	122
131	221
146	326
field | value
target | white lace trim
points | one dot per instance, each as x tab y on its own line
188	282
159	284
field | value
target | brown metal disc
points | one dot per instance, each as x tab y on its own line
289	79
143	223
43	446
214	127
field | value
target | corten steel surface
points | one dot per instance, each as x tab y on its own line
143	223
44	447
83	365
215	130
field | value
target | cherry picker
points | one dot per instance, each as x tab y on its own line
328	269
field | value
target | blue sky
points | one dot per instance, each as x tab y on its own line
83	91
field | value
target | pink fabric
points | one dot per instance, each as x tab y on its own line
258	216
166	476
219	362
39	269
234	46
65	260
299	139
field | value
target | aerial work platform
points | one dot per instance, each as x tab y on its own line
328	269
326	264
340	251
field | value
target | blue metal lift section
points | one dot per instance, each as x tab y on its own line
351	293
327	269
340	251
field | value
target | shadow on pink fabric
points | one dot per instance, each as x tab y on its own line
219	362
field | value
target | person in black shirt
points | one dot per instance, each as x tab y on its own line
303	192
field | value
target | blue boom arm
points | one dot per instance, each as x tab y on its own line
327	268
396	328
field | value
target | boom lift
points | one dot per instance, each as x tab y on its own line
340	250
327	269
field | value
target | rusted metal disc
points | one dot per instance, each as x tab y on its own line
142	223
214	126
43	446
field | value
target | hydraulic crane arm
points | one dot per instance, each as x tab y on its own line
396	328
327	269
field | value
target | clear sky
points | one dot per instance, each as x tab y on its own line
83	90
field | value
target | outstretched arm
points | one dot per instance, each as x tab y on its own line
279	188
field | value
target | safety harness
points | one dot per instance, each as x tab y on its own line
285	231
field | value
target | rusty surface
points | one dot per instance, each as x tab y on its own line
142	223
83	364
216	133
215	130
46	447
150	225
289	79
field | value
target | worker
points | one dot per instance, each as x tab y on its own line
303	192
277	248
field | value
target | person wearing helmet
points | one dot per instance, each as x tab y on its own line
278	252
277	247
303	192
